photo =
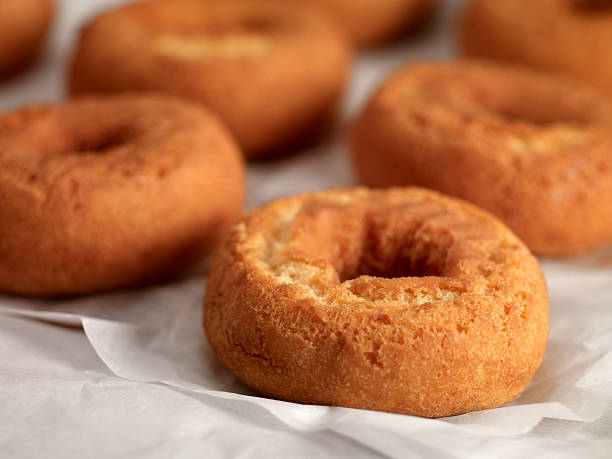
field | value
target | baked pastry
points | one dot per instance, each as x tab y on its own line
398	300
23	27
100	193
273	70
567	36
370	23
533	149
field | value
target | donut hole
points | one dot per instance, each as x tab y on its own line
247	23
533	102
539	114
244	25
529	102
97	140
591	7
394	246
100	143
391	267
387	243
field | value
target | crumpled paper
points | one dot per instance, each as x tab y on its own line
129	373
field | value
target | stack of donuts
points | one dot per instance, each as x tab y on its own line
420	294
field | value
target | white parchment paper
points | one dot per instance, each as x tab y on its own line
129	373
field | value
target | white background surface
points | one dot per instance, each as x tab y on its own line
129	374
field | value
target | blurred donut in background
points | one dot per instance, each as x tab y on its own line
534	149
568	36
370	23
23	27
101	193
274	71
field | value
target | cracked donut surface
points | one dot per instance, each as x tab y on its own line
400	300
99	193
532	148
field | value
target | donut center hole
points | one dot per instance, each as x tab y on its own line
100	144
390	268
540	114
592	7
390	242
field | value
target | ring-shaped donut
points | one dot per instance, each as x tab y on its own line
273	70
566	36
533	149
398	300
101	193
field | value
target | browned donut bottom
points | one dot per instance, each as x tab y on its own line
401	300
533	149
102	193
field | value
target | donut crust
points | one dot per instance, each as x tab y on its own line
566	36
398	300
273	70
533	149
373	23
23	27
103	193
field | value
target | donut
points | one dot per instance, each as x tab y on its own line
533	149
100	193
566	36
399	300
370	23
23	27
272	70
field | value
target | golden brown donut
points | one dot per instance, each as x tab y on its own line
533	149
397	300
273	70
568	36
371	23
100	193
23	26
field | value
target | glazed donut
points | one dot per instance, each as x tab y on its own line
23	26
371	23
273	70
398	300
103	193
567	36
531	148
